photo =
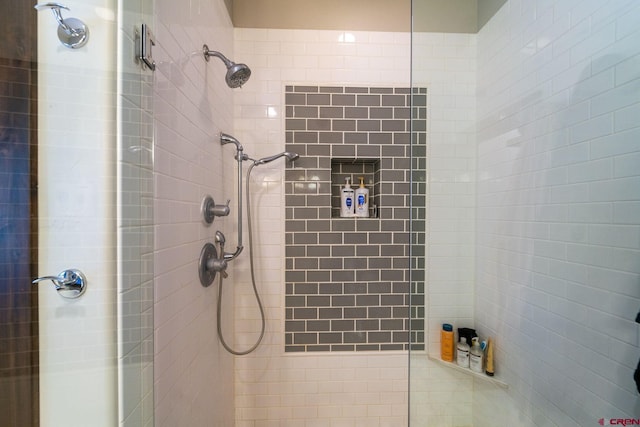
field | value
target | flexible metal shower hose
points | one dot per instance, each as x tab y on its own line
253	282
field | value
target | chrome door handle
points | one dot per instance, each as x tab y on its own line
69	283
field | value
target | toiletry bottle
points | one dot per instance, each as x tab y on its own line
346	200
475	356
446	342
463	353
489	369
362	200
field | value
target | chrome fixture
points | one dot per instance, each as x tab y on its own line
72	32
144	41
237	74
210	264
210	210
290	156
240	156
69	283
228	139
220	239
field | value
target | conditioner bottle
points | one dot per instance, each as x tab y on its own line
362	200
475	356
463	353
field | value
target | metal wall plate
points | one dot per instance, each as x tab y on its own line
206	274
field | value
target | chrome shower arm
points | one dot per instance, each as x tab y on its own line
209	53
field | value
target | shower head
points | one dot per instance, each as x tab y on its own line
290	156
237	74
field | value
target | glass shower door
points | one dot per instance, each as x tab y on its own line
75	167
534	213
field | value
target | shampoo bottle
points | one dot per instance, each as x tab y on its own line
362	200
446	342
475	356
463	353
346	200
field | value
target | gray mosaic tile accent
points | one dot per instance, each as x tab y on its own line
355	284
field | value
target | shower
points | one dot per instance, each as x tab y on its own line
210	262
287	154
237	74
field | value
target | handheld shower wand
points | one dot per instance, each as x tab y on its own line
220	239
290	156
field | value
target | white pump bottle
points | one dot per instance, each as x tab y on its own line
362	200
347	204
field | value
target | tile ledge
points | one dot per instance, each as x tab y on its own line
477	375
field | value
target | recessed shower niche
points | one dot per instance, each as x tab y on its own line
350	282
368	169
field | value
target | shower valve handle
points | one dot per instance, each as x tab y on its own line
210	210
219	265
221	210
210	264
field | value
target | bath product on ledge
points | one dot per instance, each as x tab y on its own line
446	342
346	200
463	353
489	370
362	200
468	333
475	356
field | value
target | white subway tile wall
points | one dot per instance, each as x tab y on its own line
558	222
346	389
194	381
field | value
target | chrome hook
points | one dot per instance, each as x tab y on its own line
69	283
72	32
